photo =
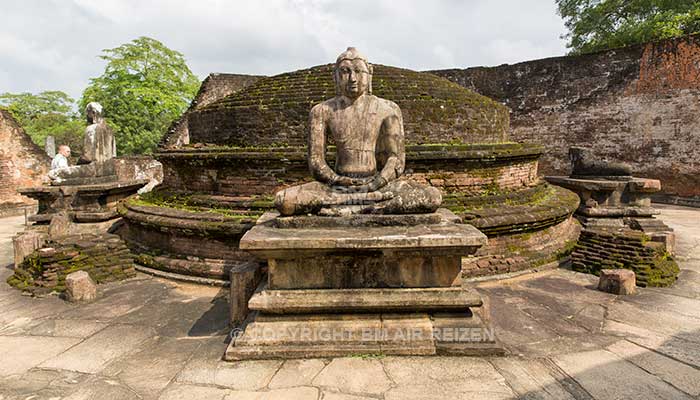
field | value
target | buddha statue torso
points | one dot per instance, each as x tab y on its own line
356	144
370	156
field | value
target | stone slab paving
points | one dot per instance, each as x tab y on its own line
148	338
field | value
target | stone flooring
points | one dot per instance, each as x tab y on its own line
153	339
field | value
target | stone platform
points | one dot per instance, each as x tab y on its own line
566	340
362	284
611	196
83	203
619	228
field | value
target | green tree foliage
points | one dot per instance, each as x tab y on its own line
49	113
604	24
145	86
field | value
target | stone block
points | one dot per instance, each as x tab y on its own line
80	287
26	243
313	301
244	280
617	281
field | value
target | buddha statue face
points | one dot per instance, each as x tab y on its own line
93	112
352	74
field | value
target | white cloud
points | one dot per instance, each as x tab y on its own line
54	45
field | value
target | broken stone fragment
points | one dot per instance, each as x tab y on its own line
617	281
80	287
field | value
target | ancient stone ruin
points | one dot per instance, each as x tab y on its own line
360	249
620	230
73	229
246	146
87	193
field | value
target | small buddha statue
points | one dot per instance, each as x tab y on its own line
369	138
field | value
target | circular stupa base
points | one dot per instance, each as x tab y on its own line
195	237
183	241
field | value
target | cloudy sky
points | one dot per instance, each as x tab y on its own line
54	44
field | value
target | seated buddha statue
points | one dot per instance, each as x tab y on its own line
99	149
369	138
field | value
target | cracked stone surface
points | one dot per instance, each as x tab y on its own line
148	338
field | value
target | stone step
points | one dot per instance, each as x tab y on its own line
364	300
343	335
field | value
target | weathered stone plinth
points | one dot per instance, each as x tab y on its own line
611	196
385	284
620	230
91	203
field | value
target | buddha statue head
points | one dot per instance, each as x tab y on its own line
93	112
352	74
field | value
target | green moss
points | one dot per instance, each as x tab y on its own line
281	103
185	202
566	250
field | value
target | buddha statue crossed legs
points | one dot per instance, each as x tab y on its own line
369	137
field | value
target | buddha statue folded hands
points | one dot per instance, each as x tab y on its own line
369	138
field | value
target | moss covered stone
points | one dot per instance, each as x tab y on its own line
274	110
105	257
651	263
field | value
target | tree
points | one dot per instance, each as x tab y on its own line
603	24
144	87
49	113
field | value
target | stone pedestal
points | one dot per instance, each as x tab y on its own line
385	284
83	204
619	228
611	197
621	202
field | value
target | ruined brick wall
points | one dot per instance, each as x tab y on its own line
596	250
22	164
214	87
639	104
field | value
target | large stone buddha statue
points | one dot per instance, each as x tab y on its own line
370	159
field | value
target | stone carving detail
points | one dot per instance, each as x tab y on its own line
369	136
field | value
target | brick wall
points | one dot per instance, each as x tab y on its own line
233	175
639	104
274	111
22	164
214	87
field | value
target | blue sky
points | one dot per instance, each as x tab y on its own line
54	44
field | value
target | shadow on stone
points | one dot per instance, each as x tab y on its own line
214	319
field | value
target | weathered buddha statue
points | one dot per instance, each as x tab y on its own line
99	144
585	164
369	138
99	148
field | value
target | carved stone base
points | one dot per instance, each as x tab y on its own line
92	203
611	198
341	286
